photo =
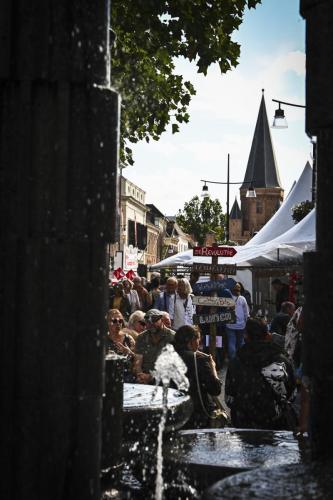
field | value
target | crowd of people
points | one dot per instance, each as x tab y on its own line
263	361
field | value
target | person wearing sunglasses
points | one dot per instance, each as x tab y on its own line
149	345
120	342
136	324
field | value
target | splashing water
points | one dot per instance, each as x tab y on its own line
168	367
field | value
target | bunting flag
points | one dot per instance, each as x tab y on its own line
130	274
118	273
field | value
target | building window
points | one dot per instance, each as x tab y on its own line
259	208
137	234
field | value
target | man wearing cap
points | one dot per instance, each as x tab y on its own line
149	345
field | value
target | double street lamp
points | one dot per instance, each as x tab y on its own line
280	121
250	193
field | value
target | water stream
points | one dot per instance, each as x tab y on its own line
168	367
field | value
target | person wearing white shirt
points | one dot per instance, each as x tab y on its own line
235	331
181	307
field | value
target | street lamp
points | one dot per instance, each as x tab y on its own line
280	121
249	194
279	118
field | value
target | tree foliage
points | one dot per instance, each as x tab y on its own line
149	35
198	217
300	210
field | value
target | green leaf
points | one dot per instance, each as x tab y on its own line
175	128
150	35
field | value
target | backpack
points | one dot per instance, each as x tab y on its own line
253	403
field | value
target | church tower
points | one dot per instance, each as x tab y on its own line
235	223
263	173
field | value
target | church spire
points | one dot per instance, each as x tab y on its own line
261	167
235	211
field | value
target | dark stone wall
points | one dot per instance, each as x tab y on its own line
318	318
58	209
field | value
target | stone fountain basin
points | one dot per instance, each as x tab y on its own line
208	455
312	481
142	412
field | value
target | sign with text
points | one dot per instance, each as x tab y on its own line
201	300
214	251
130	258
218	317
214	285
230	269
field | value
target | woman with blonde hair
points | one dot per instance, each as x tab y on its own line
131	294
120	342
181	306
136	324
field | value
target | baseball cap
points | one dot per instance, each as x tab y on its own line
153	314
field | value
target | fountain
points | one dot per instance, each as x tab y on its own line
208	455
149	414
154	446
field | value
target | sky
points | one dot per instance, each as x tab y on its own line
224	111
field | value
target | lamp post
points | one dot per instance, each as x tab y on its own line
280	121
250	193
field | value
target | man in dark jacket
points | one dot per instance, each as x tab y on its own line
282	318
187	340
282	293
260	382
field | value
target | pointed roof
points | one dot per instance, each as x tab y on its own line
261	167
235	211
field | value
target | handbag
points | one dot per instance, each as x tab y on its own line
217	418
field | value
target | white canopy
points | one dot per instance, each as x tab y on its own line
282	219
287	247
279	241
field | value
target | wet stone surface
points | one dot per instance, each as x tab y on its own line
141	410
236	448
211	454
139	396
296	481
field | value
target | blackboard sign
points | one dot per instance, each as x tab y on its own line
212	286
229	269
218	317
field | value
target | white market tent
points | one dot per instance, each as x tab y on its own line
279	242
282	219
286	247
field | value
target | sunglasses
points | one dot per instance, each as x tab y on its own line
142	323
116	321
